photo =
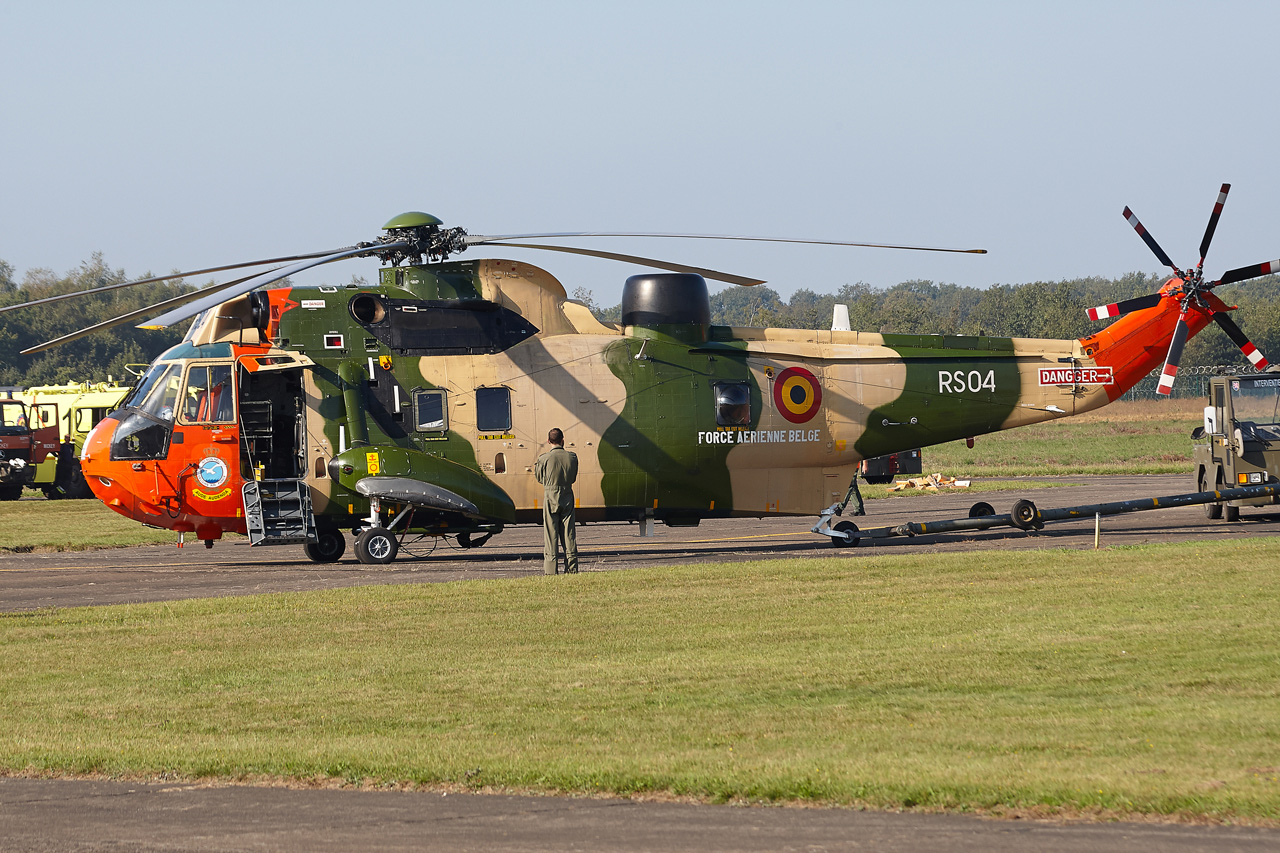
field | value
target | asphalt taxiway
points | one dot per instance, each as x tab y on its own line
165	572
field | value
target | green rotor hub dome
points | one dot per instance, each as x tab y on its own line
412	219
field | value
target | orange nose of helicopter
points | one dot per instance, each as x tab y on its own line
118	484
157	489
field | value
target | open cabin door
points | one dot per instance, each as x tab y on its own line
272	432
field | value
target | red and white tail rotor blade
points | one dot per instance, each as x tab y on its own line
1170	371
1239	338
1149	240
1124	306
1213	221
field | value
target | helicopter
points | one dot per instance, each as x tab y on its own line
415	406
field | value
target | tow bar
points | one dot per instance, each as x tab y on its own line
1026	516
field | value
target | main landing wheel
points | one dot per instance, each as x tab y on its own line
850	531
329	547
377	545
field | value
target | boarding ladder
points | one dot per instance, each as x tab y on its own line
278	512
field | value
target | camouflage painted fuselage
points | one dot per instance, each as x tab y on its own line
452	374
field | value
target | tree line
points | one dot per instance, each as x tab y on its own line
94	357
1036	310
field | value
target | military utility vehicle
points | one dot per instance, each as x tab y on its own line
1242	433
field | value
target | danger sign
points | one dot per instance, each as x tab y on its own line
1076	376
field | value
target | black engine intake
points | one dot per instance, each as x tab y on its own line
662	299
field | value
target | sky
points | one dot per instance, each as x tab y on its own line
171	136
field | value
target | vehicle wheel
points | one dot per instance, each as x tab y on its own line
850	530
329	547
879	479
1213	510
981	510
1024	515
1230	513
10	492
75	486
377	545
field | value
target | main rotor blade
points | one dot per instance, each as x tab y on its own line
242	287
1170	371
1252	271
1124	306
132	315
1213	221
154	279
475	240
1149	240
646	262
1239	338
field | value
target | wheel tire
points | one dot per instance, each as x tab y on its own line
75	486
879	479
1024	515
10	492
850	530
376	546
329	547
1213	510
981	509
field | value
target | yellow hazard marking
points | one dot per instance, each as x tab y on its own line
371	462
495	437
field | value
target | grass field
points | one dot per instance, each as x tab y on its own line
40	525
1116	682
1142	437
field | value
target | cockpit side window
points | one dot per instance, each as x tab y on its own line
208	397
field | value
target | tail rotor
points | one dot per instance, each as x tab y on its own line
1194	294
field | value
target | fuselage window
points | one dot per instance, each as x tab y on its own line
493	409
430	412
733	404
209	398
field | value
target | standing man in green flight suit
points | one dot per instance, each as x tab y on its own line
557	471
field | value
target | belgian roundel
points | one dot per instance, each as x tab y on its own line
797	394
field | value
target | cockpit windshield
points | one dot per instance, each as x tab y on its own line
145	385
161	398
146	415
